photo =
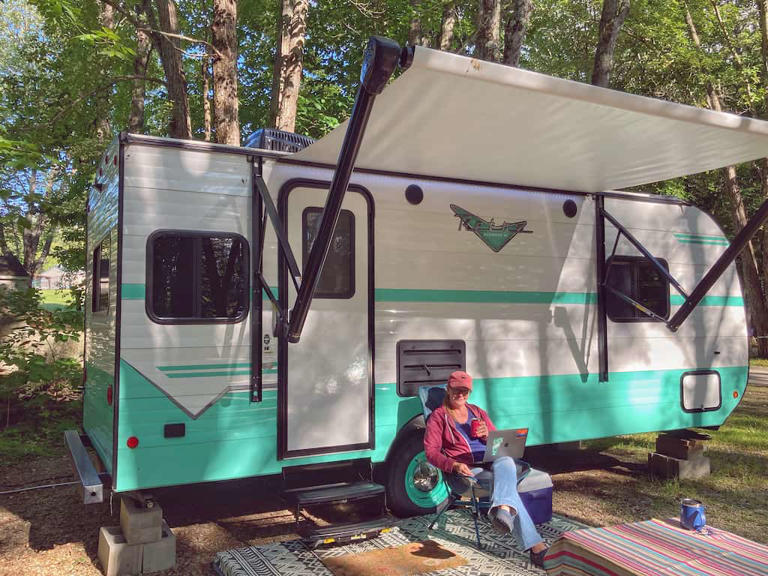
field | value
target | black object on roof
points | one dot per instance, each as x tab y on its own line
280	140
10	266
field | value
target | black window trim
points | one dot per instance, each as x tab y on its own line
148	301
96	280
635	260
305	253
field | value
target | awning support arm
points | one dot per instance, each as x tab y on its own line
379	62
601	274
725	260
644	251
282	237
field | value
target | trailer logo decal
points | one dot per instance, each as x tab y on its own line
495	236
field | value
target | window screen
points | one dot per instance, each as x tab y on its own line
637	278
100	275
197	277
337	279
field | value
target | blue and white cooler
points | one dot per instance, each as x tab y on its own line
536	493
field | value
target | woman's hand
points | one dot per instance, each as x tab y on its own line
482	430
462	469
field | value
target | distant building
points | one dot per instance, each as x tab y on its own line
12	273
56	278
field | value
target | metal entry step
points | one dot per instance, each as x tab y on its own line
343	533
347	492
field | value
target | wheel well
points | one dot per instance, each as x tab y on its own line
413	425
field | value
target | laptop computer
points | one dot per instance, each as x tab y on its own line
505	443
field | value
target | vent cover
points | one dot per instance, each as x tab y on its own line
427	363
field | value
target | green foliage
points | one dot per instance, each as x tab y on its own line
29	351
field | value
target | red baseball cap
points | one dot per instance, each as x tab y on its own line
460	379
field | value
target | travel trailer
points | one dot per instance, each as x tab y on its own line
258	312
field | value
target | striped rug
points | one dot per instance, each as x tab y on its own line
655	547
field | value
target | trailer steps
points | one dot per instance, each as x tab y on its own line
339	501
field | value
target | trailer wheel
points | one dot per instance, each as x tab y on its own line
414	486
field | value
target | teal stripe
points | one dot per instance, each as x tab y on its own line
699	236
209	374
132	291
710	242
264	293
203	367
136	291
678	300
483	296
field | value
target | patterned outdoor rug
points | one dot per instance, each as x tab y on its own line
500	556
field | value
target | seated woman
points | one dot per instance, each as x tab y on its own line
449	445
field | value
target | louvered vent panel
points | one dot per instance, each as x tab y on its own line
427	363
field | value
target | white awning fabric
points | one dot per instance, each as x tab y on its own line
457	117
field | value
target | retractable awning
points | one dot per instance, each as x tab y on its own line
458	117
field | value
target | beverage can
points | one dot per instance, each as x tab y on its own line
474	427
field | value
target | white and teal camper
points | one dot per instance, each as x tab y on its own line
242	320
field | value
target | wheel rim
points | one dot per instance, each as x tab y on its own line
424	483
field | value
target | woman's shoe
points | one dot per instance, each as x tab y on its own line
537	558
501	520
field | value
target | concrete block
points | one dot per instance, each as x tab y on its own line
160	555
664	466
140	525
681	448
117	557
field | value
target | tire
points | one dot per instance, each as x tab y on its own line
408	463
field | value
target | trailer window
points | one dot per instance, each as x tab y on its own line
100	277
195	277
636	277
337	279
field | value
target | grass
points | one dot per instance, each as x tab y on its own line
758	362
735	493
54	299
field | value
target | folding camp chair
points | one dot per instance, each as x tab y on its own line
459	486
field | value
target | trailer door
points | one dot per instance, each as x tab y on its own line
326	379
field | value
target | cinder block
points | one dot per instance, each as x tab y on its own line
160	555
682	448
140	525
667	467
117	557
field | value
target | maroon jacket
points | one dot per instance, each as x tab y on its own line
444	444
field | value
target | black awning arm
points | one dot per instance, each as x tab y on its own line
725	260
644	251
600	276
282	237
379	62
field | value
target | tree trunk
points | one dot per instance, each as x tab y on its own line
169	49
488	23
756	304
447	24
289	62
33	256
514	31
416	36
762	5
138	91
205	73
611	20
225	102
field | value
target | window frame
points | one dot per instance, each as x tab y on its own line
634	262
96	299
353	254
150	260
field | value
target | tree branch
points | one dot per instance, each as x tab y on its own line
102	87
182	37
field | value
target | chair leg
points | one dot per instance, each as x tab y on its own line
475	517
451	500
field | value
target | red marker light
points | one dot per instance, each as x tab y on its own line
132	442
735	393
109	395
